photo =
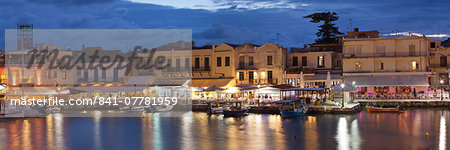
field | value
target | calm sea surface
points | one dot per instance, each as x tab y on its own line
200	131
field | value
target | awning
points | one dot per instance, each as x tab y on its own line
71	91
394	80
31	91
170	82
212	82
305	89
348	87
138	80
111	89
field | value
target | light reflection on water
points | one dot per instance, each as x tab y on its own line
256	131
442	134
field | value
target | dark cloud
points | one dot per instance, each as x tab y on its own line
71	2
237	24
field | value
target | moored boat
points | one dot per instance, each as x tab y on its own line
236	109
292	108
214	108
384	109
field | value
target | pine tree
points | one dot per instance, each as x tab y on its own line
327	31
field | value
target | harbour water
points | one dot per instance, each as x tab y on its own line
197	130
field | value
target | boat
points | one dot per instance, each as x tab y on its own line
215	109
124	108
384	109
137	108
236	109
292	108
53	109
163	108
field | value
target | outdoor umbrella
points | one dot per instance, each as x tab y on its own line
347	88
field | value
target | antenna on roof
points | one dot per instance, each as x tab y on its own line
351	25
278	38
382	32
439	32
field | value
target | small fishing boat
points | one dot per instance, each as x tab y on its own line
215	108
163	108
137	108
124	108
53	109
292	108
384	109
236	109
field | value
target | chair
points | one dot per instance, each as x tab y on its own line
364	96
404	96
391	96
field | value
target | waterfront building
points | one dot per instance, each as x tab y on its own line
310	67
245	64
388	67
440	67
260	65
213	66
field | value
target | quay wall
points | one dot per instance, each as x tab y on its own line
276	110
407	104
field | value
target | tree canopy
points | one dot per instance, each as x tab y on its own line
327	31
446	43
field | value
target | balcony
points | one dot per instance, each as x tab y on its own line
243	67
201	68
375	55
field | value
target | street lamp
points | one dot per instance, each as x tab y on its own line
342	91
442	82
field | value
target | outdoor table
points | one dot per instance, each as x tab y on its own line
391	96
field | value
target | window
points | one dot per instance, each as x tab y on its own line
250	60
432	45
414	65
219	61
358	50
320	61
250	77
187	63
197	63
95	75
169	63
207	62
116	75
412	50
241	61
86	76
295	61
381	50
350	50
443	61
358	66
178	64
269	60
64	75
103	73
55	74
382	66
269	76
227	61
304	61
241	76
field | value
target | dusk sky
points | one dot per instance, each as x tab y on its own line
233	21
